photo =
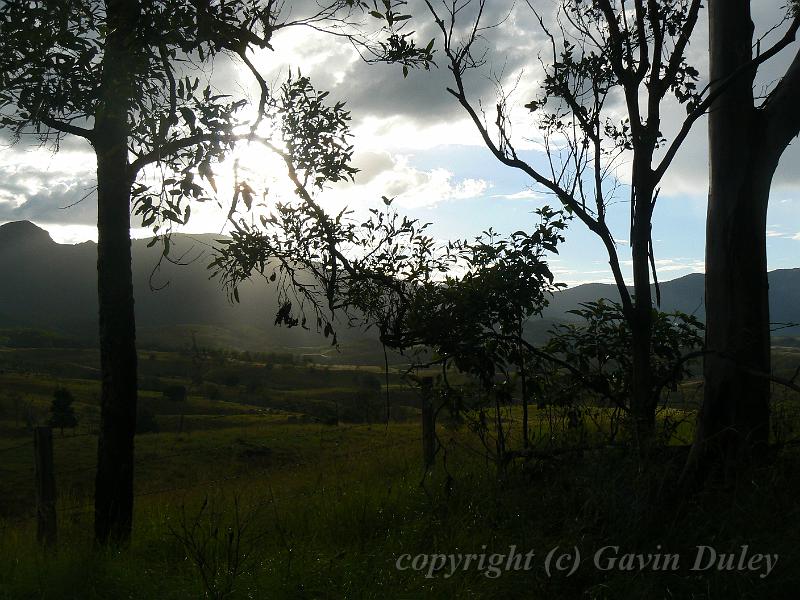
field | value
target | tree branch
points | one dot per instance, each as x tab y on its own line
781	109
719	88
65	127
174	146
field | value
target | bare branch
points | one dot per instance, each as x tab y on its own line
717	88
781	107
65	127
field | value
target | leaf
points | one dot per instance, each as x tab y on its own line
188	116
204	168
247	195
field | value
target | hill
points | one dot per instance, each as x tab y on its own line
52	286
687	294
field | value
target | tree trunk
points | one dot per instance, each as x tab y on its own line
733	425
114	481
524	381
643	406
734	421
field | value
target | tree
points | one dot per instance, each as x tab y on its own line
602	51
475	320
146	421
598	354
120	74
747	139
175	393
61	412
465	302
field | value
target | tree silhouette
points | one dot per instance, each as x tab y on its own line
748	136
123	75
602	54
61	412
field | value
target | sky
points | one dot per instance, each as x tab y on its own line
413	142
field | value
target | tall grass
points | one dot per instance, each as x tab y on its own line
333	523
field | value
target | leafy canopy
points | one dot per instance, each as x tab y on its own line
179	124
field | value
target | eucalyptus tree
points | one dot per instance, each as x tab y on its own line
464	301
748	134
610	67
135	79
598	350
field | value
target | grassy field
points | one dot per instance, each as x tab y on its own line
250	490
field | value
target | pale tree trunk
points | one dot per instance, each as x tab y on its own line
745	145
114	481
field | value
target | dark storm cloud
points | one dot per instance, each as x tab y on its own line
422	97
380	90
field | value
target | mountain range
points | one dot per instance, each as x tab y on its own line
50	286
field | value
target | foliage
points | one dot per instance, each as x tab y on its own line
321	263
146	421
599	350
600	55
475	319
61	411
175	393
464	301
459	299
51	75
219	543
125	76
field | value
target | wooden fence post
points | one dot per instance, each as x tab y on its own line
45	485
428	423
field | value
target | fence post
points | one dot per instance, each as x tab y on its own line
428	424
45	485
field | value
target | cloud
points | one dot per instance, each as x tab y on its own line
771	233
372	164
689	172
392	118
526	194
671	265
779	232
395	177
37	186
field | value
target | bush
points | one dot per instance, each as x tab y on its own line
176	393
146	421
62	413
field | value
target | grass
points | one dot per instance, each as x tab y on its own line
252	503
329	511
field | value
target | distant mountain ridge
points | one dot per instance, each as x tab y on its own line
687	294
52	286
